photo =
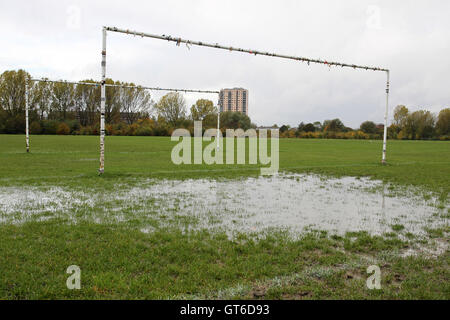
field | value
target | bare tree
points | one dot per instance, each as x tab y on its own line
134	103
12	91
41	98
63	95
87	103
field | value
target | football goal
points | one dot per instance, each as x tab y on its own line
189	43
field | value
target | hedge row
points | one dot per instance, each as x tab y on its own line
149	127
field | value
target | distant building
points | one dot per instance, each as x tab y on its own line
235	99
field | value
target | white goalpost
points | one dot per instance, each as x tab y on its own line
27	104
188	43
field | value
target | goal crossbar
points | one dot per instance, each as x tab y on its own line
125	86
230	48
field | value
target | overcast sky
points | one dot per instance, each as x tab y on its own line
62	39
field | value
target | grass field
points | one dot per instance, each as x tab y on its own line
55	211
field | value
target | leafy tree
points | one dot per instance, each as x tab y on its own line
443	122
63	129
309	127
368	127
318	126
202	108
50	126
171	107
234	120
35	128
347	129
393	131
400	116
284	128
74	125
3	119
334	125
419	124
210	120
301	126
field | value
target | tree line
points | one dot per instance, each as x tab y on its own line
406	125
64	108
421	124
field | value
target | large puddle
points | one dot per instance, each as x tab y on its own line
291	202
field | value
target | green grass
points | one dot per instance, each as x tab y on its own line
418	163
118	264
117	261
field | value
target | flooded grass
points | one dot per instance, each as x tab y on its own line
289	202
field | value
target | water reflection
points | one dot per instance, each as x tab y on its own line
293	202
